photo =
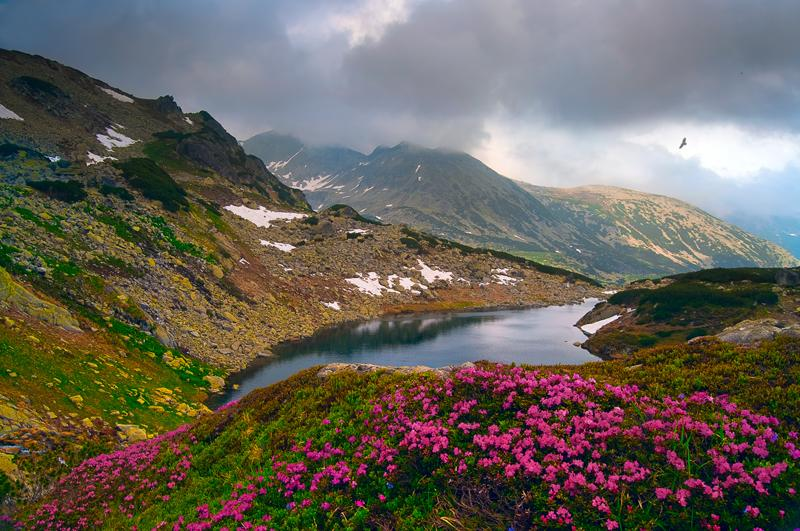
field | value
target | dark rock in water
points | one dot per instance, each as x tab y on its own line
788	277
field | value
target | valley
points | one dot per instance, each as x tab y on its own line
136	274
194	339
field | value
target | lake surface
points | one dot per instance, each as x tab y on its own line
537	336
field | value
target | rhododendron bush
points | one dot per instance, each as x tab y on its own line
499	445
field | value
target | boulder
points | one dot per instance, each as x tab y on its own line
754	331
131	432
164	337
215	383
788	277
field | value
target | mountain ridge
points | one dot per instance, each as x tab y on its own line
465	200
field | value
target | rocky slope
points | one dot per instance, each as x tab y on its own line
605	232
144	255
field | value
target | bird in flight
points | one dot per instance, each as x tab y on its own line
682	143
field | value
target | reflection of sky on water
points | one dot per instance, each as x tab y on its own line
534	336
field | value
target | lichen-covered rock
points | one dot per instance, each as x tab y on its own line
15	295
215	383
131	433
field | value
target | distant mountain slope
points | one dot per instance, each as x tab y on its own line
659	230
783	230
607	232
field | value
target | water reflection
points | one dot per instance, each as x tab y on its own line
535	336
386	332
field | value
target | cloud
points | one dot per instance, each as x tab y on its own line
730	151
554	91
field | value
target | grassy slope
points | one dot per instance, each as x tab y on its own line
694	304
237	445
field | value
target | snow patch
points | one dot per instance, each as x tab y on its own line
276	165
417	170
592	328
313	184
94	159
54	158
113	138
406	283
188	120
389	205
432	275
261	217
501	276
8	114
506	280
332	305
116	95
285	247
371	284
244	261
358	231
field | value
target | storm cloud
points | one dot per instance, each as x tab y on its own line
559	92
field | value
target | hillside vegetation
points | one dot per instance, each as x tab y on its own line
680	437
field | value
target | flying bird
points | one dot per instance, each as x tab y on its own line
682	143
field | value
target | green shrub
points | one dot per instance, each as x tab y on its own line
764	275
669	301
154	183
411	243
68	191
646	340
118	191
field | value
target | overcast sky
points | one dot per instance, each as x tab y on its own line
560	92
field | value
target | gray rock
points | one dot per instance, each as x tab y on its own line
333	368
751	332
788	277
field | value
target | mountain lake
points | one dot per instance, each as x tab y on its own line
537	336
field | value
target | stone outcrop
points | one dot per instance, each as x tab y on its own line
751	332
334	368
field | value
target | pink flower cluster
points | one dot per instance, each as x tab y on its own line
120	482
562	450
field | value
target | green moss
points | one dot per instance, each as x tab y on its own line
52	227
191	371
180	245
121	227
